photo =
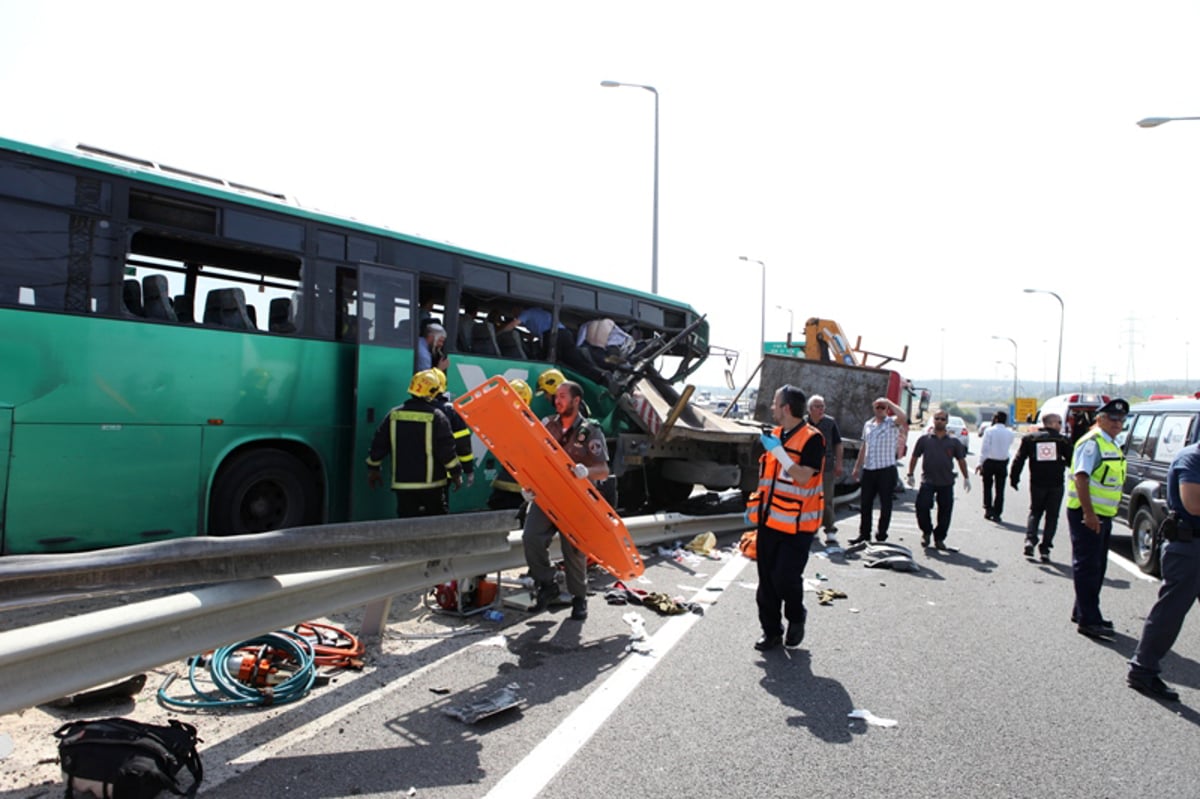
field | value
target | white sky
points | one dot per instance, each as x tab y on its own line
903	168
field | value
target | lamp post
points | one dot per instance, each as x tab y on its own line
608	84
791	320
1154	122
1062	311
762	332
1014	366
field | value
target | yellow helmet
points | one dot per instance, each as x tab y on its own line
441	378
522	389
424	384
550	380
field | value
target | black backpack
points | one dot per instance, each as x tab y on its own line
125	759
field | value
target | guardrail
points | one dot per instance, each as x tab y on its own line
47	661
37	579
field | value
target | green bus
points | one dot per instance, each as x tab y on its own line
183	355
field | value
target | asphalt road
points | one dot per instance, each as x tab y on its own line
993	693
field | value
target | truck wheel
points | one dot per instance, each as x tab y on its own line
1142	543
261	490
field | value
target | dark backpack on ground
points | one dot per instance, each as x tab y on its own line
125	759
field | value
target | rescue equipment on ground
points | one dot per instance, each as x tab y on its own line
333	647
125	759
749	544
530	454
271	669
464	597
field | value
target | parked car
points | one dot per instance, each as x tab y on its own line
1153	434
956	427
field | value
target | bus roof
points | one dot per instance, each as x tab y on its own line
120	165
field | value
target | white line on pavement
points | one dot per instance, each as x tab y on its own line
533	773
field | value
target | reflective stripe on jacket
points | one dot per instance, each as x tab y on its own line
790	508
1105	481
418	439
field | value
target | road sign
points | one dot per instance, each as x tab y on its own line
782	348
1026	408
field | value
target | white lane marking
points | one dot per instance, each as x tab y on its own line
533	773
1131	567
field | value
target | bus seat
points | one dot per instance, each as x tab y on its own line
252	312
157	301
227	308
483	339
280	317
183	308
464	333
132	296
510	344
404	332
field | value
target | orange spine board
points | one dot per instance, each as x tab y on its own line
517	438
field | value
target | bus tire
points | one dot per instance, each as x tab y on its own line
261	490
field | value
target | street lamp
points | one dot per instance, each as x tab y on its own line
1014	366
791	320
762	333
1062	311
609	84
1154	122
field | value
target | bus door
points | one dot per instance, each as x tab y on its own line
385	310
6	417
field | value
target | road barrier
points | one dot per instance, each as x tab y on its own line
47	661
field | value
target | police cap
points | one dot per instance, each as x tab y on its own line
1114	407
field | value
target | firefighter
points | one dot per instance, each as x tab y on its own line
418	439
462	434
506	492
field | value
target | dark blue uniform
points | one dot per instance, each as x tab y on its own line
1181	581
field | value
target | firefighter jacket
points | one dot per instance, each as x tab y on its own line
418	439
462	434
1105	481
784	505
1048	453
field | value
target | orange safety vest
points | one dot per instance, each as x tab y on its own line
790	508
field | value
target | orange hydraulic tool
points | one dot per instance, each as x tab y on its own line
517	438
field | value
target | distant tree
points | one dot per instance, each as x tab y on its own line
952	408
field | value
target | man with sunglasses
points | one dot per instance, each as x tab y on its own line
876	464
1093	497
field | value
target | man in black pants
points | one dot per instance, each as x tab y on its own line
876	464
1048	453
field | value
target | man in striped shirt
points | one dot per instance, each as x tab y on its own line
876	466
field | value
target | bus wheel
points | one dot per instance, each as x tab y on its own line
262	490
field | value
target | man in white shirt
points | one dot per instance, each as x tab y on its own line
993	464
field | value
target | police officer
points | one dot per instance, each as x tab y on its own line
1180	563
584	441
417	438
1048	453
1093	496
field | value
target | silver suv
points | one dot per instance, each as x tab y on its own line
1154	433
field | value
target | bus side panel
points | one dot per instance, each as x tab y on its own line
468	372
83	486
6	416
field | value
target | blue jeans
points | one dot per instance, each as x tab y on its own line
1089	561
1180	588
926	495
